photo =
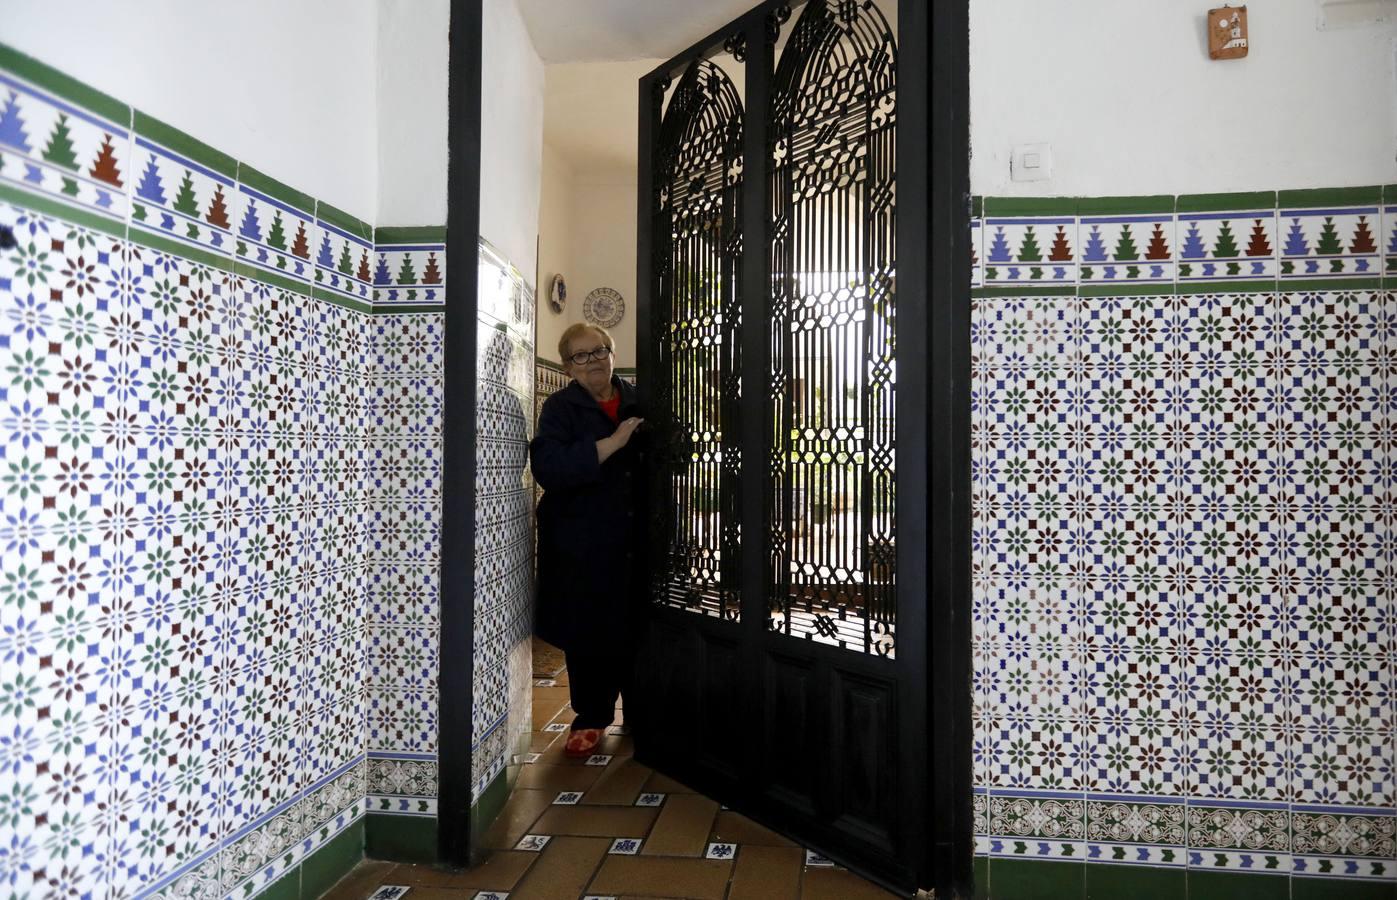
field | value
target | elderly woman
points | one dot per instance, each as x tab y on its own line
587	458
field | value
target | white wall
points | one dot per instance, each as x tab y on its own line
555	229
413	63
288	88
603	247
1127	96
511	136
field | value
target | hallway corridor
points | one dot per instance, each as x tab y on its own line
611	827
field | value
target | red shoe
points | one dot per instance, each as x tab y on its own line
581	742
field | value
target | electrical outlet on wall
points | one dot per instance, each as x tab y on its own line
1031	162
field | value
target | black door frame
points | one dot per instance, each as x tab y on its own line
933	252
933	110
456	652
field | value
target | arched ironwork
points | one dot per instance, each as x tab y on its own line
831	318
697	259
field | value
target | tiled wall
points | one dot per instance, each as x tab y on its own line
1184	609
404	561
504	547
219	503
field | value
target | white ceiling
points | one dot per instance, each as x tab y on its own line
597	51
586	30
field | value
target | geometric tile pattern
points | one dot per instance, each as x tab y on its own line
344	248
1185	623
219	506
504	561
410	267
183	608
64	141
275	227
181	188
403	557
1333	233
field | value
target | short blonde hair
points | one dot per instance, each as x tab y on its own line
576	331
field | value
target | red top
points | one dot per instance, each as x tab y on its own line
612	407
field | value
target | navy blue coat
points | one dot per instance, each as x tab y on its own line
590	524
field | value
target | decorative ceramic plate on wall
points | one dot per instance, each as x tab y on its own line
604	307
558	295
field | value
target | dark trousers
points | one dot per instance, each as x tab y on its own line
595	681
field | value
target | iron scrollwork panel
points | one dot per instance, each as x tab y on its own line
697	260
830	498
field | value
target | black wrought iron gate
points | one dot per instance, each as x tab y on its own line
804	581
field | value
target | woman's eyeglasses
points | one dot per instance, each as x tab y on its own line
586	356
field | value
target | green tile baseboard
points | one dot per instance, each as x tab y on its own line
401	838
999	878
317	873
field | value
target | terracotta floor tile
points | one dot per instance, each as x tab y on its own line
611	745
543	777
704	879
421	875
666	785
596	821
767	873
499	872
361	881
620	783
838	884
540	741
768	866
735	828
683	826
517	817
548	702
563	869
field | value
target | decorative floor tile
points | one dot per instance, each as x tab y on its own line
625	846
599	760
568	798
389	892
720	851
533	842
818	861
650	800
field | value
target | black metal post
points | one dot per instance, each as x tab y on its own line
942	35
755	411
456	701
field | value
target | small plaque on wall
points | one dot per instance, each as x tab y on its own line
1227	32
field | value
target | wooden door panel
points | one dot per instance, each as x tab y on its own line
720	706
864	724
790	749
